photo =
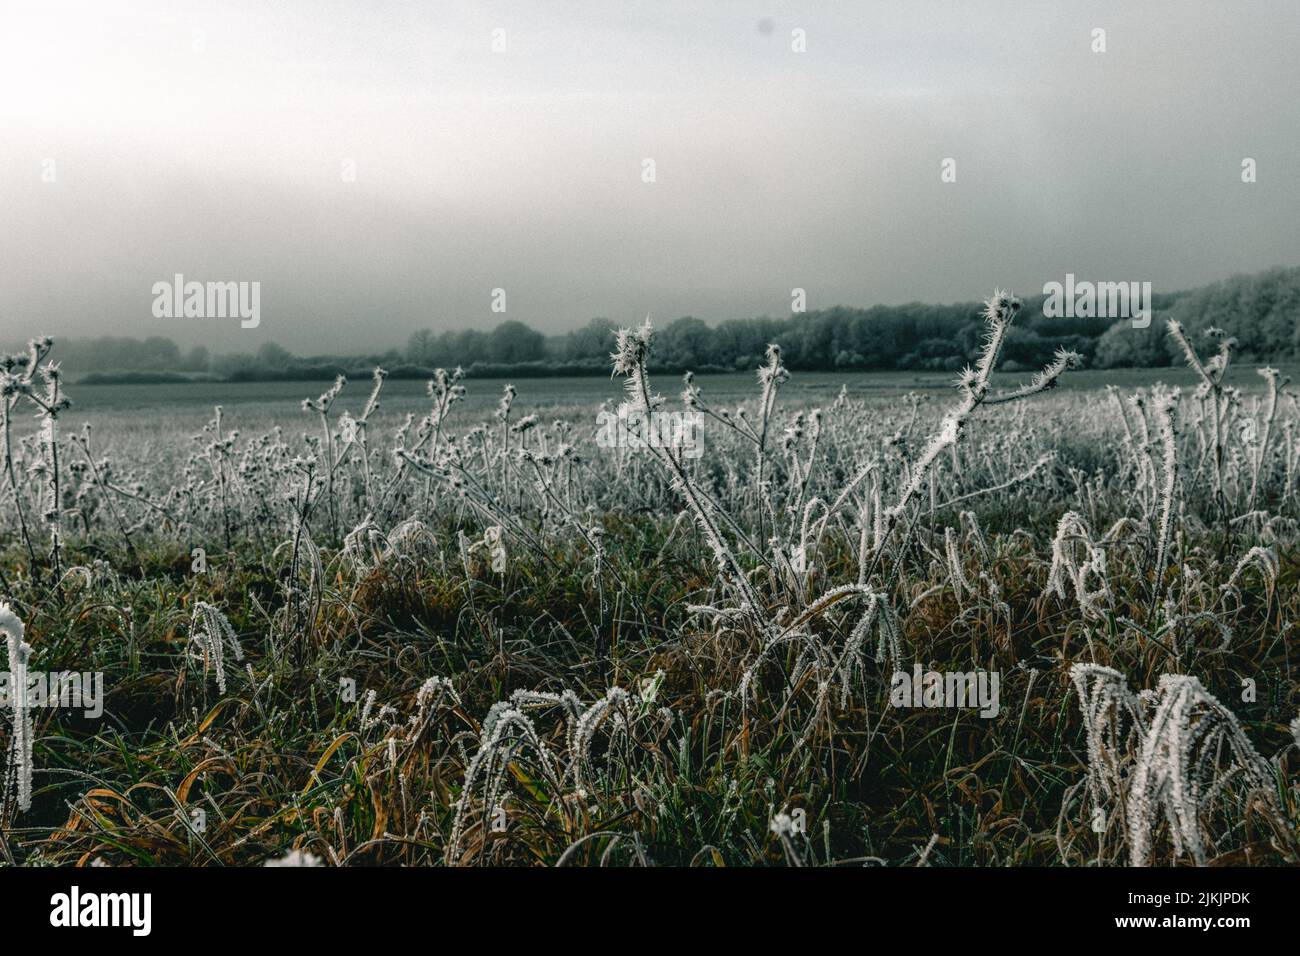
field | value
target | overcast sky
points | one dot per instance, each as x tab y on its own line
209	139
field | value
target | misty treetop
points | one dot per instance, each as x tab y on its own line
1262	311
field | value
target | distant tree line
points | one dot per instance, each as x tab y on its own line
109	352
1262	311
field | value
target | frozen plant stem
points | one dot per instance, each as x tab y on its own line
1162	406
999	312
19	768
1211	375
633	350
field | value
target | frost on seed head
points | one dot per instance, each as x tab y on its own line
1173	754
210	633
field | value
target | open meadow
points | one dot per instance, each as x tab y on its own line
742	619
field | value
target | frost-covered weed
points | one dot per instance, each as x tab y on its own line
1174	754
18	770
211	633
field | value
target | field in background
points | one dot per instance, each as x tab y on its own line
157	409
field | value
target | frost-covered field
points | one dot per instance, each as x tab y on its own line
1002	623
